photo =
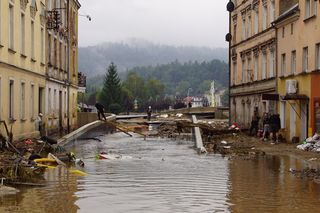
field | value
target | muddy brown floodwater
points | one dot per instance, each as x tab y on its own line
159	175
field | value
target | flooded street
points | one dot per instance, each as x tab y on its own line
158	175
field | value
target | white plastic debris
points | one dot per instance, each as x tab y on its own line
179	115
224	142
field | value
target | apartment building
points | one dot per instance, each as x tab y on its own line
22	65
298	36
38	65
62	65
253	60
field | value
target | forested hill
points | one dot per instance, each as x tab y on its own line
94	60
179	77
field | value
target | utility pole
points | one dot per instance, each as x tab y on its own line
230	8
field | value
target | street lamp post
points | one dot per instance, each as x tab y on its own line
230	8
189	89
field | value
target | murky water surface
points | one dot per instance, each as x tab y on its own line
168	176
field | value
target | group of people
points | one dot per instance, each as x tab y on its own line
270	126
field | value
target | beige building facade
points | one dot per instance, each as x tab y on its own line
253	60
22	65
35	74
62	65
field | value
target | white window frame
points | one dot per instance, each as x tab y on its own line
249	70
32	39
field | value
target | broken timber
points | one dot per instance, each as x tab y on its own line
198	138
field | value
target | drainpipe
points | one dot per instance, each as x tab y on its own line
68	67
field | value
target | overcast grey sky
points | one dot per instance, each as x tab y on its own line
172	22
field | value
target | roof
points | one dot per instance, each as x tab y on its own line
291	11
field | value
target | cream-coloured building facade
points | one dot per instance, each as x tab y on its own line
253	60
30	83
22	65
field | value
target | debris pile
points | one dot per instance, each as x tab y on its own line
311	144
234	145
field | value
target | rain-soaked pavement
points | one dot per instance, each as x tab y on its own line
158	175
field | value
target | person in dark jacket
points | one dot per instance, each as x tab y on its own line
100	110
149	111
275	126
254	124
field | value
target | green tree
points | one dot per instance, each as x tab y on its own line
111	91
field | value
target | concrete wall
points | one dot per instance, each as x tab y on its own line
87	117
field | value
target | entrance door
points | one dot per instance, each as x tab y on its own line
60	110
304	113
293	118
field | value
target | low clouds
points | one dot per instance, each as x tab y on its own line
173	22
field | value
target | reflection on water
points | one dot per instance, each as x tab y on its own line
265	185
168	176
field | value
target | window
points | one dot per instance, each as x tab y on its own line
23	34
305	59
243	71
49	49
49	100
272	11
11	99
32	101
42	45
23	101
65	58
291	28
256	62
264	65
32	40
55	52
234	37
54	99
271	64
60	55
256	21
249	71
243	29
283	114
318	56
234	73
283	64
11	27
310	8
249	27
283	31
293	62
264	17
